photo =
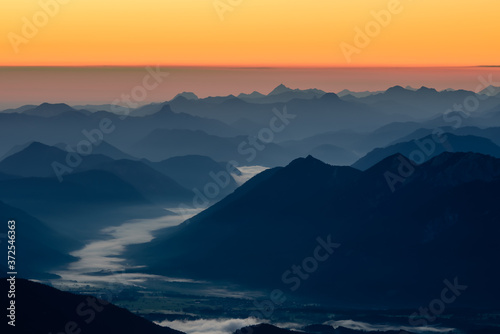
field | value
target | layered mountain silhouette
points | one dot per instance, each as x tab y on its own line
121	131
83	204
43	309
49	110
36	160
196	171
162	144
105	148
333	155
36	240
492	133
152	184
282	94
358	143
422	149
402	228
392	246
427	101
315	112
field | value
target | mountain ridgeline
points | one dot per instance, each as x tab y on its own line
386	248
357	200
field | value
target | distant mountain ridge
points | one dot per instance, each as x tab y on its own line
425	148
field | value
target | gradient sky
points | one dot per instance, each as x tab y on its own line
254	33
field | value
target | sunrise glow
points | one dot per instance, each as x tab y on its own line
249	33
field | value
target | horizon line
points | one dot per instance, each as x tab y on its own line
247	67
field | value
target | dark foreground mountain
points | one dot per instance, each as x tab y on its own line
41	309
394	235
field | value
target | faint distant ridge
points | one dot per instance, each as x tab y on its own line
187	96
452	143
281	89
49	110
35	160
491	91
282	93
366	93
253	95
20	109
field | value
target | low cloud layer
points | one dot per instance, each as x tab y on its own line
247	172
364	326
209	326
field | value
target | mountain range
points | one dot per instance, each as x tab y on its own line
441	219
423	149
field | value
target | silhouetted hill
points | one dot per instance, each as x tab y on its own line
347	92
333	155
43	309
105	148
19	109
35	241
357	143
84	203
167	119
162	144
69	127
36	161
282	94
103	107
152	184
17	149
423	149
187	95
492	133
428	102
195	171
253	95
49	110
440	223
490	91
312	116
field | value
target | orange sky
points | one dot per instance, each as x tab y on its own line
252	33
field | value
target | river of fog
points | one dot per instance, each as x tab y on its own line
101	261
229	326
